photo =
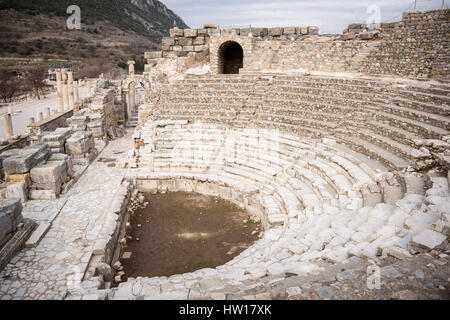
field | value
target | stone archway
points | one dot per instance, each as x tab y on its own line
231	58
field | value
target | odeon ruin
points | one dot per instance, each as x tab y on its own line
338	145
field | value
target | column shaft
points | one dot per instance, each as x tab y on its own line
59	91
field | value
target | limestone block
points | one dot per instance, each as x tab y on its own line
10	217
153	55
79	143
42	195
209	26
185	41
256	32
18	178
21	161
188	48
190	33
212	32
78	123
167	41
17	191
368	35
177	48
289	31
49	176
199	41
200	48
66	159
176	32
302	30
348	36
275	32
425	241
313	31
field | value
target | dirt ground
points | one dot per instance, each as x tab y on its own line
181	232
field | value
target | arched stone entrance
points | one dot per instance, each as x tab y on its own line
231	57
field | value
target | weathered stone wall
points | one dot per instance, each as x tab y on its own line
55	121
417	46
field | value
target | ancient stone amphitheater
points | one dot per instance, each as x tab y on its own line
335	165
339	145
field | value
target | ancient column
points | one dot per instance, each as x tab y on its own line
40	117
46	113
132	98
76	93
65	89
70	89
8	126
131	68
59	90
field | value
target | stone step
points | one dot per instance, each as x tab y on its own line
37	235
398	134
429	118
402	150
417	127
376	152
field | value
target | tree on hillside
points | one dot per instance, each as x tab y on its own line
9	85
35	80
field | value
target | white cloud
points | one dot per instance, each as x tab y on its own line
330	16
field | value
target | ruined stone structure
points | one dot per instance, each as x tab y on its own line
405	48
338	144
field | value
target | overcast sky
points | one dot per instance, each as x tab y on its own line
332	16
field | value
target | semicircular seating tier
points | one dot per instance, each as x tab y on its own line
333	167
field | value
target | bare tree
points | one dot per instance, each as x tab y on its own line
9	85
35	80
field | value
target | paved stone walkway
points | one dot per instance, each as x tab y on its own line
42	272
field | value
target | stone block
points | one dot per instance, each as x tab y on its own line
66	159
199	41
425	241
185	41
368	35
200	48
10	217
18	178
21	161
289	31
256	32
78	123
153	55
176	32
313	31
348	36
275	32
49	176
202	32
79	143
190	33
213	32
167	41
17	191
302	30
209	26
37	235
42	195
188	48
